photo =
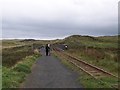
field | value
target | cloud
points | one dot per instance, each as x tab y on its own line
58	18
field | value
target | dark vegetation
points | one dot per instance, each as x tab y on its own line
17	61
89	82
29	40
102	52
12	55
13	77
99	51
15	50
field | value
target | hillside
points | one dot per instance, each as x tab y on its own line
89	41
95	50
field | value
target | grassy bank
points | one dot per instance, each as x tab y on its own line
100	51
86	80
105	59
14	76
18	58
13	55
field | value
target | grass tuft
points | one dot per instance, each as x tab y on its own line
22	68
13	77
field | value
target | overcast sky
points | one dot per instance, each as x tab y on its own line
51	19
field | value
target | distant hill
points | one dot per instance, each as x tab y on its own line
102	41
72	41
108	38
28	40
82	37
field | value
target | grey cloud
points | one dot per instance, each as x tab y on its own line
54	29
61	19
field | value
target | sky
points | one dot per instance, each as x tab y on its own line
56	19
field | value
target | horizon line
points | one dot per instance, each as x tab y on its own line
54	38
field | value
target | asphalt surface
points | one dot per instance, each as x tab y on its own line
49	72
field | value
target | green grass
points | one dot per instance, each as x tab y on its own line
86	80
102	52
0	77
12	55
13	77
105	59
18	57
76	41
11	43
104	82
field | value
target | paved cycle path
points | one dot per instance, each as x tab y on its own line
49	72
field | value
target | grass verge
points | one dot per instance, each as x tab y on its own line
13	77
86	80
11	56
107	60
